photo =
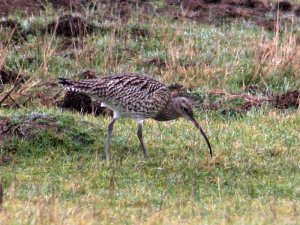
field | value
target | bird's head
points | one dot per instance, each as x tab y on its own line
184	109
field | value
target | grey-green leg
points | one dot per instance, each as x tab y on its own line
140	135
108	139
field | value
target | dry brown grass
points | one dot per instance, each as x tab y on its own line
278	54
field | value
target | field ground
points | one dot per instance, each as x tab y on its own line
57	176
51	167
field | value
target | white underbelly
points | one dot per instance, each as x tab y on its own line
120	112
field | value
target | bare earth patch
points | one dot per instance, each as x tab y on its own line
216	100
10	77
260	12
27	127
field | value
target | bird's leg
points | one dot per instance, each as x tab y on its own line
140	135
107	144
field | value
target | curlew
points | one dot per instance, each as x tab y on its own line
137	97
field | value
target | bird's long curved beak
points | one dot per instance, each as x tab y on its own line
194	121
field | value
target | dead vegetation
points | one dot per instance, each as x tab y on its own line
278	55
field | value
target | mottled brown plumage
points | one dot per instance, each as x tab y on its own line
135	96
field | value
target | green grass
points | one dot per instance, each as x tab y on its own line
254	178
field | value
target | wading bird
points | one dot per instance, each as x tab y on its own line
137	97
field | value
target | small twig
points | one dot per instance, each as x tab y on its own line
246	97
29	84
57	94
17	104
9	92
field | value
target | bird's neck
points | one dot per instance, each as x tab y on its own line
169	112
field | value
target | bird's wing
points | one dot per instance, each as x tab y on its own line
137	93
131	91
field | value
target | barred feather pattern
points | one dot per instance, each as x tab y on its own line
131	95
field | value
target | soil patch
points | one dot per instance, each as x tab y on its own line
3	160
26	127
67	25
284	6
259	12
255	97
228	10
287	100
10	77
13	30
70	26
10	23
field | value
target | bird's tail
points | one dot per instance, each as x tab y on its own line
84	86
65	82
